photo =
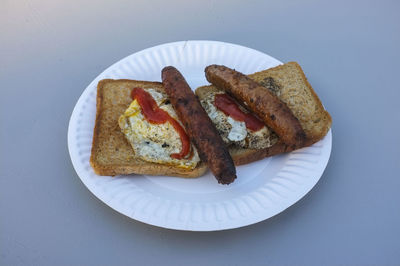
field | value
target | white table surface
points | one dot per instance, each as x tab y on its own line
51	50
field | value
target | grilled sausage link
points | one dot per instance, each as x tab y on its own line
268	107
198	126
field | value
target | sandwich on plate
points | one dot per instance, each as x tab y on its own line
165	129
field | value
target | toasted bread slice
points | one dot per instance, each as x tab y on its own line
289	83
111	152
291	86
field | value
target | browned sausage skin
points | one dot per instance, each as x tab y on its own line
260	101
198	125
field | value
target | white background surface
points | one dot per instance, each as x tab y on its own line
51	50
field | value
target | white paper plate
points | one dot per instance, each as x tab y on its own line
262	189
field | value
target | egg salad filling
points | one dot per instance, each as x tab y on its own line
155	142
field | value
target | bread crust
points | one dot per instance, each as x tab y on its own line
111	153
244	156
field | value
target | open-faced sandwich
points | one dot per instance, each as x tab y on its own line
262	96
126	142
